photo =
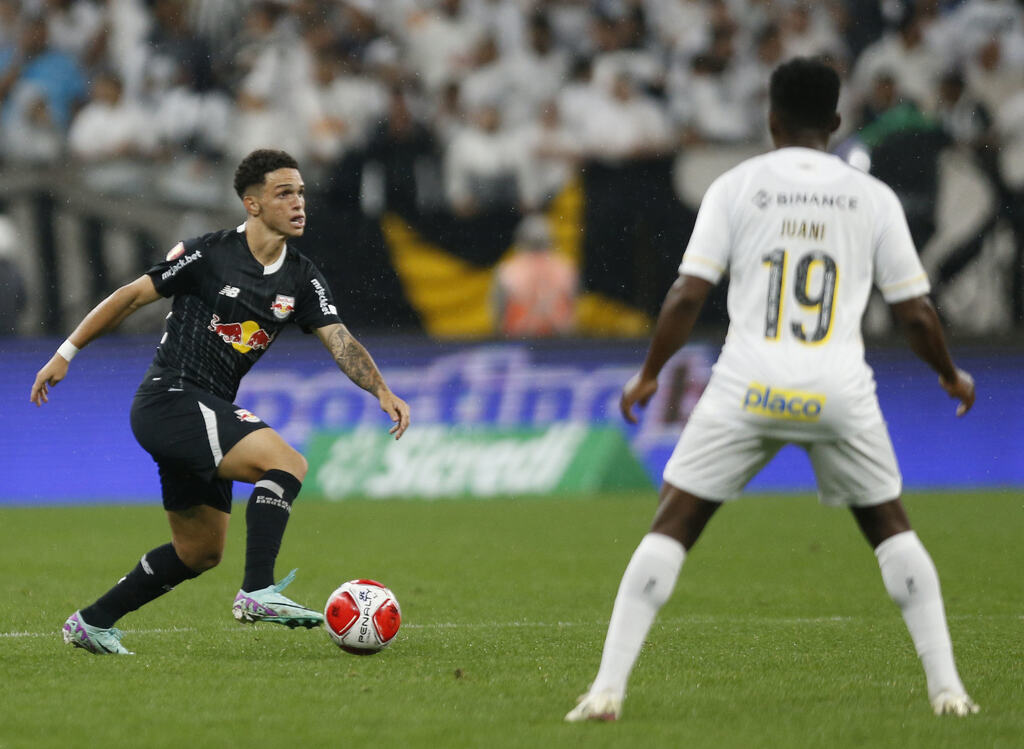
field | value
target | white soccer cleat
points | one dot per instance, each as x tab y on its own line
96	640
596	706
953	703
268	605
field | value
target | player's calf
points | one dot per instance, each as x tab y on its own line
913	584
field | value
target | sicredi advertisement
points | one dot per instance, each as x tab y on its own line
488	419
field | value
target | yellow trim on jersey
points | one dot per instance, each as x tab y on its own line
901	284
698	259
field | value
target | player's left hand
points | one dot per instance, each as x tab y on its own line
53	372
962	388
398	410
637	390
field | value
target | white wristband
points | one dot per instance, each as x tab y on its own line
67	350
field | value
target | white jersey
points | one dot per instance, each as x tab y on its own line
803	237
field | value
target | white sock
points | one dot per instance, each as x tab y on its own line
646	584
912	582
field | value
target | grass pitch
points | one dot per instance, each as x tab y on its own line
779	633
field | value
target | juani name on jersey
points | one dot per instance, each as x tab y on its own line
803	229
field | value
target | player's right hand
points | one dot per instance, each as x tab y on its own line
637	390
55	370
961	388
398	410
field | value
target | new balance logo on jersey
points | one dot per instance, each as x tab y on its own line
231	291
776	403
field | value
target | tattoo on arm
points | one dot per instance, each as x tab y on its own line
354	360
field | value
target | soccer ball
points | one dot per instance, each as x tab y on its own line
362	617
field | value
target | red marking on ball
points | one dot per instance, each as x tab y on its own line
387	620
342	612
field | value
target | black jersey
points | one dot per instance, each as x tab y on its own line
227	310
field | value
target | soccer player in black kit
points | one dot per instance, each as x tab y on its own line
233	292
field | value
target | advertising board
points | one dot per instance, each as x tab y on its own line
79	446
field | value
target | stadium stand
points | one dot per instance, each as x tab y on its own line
427	129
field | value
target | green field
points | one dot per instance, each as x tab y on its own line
779	634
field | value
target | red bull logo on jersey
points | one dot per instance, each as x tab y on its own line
243	336
283	306
776	403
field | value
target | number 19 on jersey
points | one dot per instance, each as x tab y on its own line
821	302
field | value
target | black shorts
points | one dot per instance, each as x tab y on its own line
188	432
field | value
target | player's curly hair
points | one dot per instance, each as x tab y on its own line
803	93
254	167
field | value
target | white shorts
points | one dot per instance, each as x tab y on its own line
715	461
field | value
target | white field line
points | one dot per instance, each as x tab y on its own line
684	620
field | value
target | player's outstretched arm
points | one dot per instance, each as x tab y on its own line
103	318
355	361
675	322
924	332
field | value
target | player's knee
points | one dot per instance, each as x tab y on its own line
301	466
199	558
207	559
293	462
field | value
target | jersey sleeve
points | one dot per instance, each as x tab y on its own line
315	306
181	269
707	254
899	274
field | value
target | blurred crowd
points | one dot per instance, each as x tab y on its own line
474	107
512	94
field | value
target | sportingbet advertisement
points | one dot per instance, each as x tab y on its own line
520	419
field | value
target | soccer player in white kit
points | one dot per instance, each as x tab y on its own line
803	238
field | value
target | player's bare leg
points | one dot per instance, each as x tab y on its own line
913	584
259	452
198	535
646	585
276	470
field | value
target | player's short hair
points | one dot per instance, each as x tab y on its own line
803	93
254	168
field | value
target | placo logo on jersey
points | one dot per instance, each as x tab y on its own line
776	403
243	336
173	270
283	306
244	414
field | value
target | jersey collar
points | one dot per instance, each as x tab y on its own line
275	266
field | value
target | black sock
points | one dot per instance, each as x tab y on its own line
266	516
156	573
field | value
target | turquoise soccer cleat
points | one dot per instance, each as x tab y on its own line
94	639
268	605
